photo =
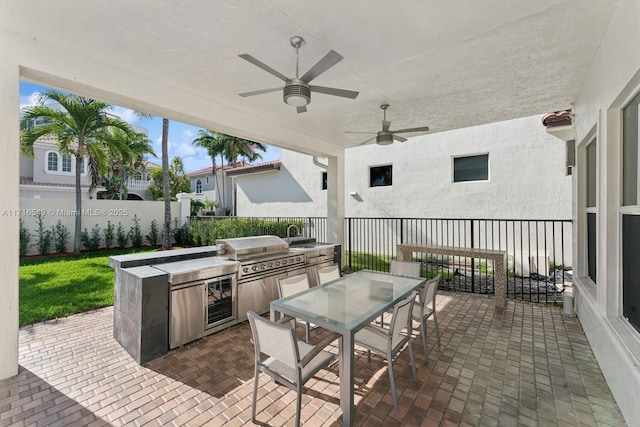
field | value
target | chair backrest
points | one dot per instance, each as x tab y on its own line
327	274
429	293
274	339
401	319
293	284
405	268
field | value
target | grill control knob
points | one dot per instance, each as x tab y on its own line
245	270
284	262
262	266
254	268
277	263
270	264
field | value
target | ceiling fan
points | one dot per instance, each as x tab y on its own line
297	90
386	136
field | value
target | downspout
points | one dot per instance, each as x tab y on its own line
319	164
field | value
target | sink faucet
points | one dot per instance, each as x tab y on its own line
289	231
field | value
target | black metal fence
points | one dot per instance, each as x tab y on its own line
538	251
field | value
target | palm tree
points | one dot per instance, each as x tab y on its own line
82	128
125	160
213	142
238	147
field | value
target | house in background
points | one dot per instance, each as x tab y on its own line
50	174
506	170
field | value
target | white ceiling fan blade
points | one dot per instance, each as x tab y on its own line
386	125
368	141
260	92
399	138
329	60
367	133
335	92
419	129
264	66
302	109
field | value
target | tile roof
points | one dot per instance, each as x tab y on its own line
260	167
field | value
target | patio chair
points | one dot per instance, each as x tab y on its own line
403	268
388	342
327	274
292	285
289	362
425	308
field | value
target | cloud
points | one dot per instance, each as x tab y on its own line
126	114
34	99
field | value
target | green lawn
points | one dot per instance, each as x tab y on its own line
59	286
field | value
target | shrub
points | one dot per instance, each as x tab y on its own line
109	235
91	241
60	236
44	237
135	233
206	232
121	237
181	233
154	233
25	236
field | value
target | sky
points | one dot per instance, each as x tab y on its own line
180	134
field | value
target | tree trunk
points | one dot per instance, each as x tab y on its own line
166	236
78	230
223	201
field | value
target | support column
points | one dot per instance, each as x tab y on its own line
185	206
9	209
335	200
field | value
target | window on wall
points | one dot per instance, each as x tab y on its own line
325	182
591	208
471	168
631	213
66	163
52	162
198	186
380	176
138	176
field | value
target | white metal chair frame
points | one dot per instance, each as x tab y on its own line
327	274
403	268
425	308
292	285
388	342
289	361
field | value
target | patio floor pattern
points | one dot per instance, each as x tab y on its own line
527	366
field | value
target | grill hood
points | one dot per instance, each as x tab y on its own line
251	247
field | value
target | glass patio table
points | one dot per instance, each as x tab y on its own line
346	305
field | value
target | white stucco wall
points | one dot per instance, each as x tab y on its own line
527	178
526	175
294	190
613	78
98	212
9	194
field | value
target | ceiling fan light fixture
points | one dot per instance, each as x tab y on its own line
384	139
296	93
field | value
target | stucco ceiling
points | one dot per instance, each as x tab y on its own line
442	63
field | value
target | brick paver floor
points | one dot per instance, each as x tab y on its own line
528	366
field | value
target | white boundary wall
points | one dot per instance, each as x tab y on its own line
93	212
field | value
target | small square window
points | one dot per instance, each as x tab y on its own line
471	168
325	183
380	176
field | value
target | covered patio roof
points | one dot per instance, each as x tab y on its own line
443	64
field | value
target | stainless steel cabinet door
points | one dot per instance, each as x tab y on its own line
187	315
